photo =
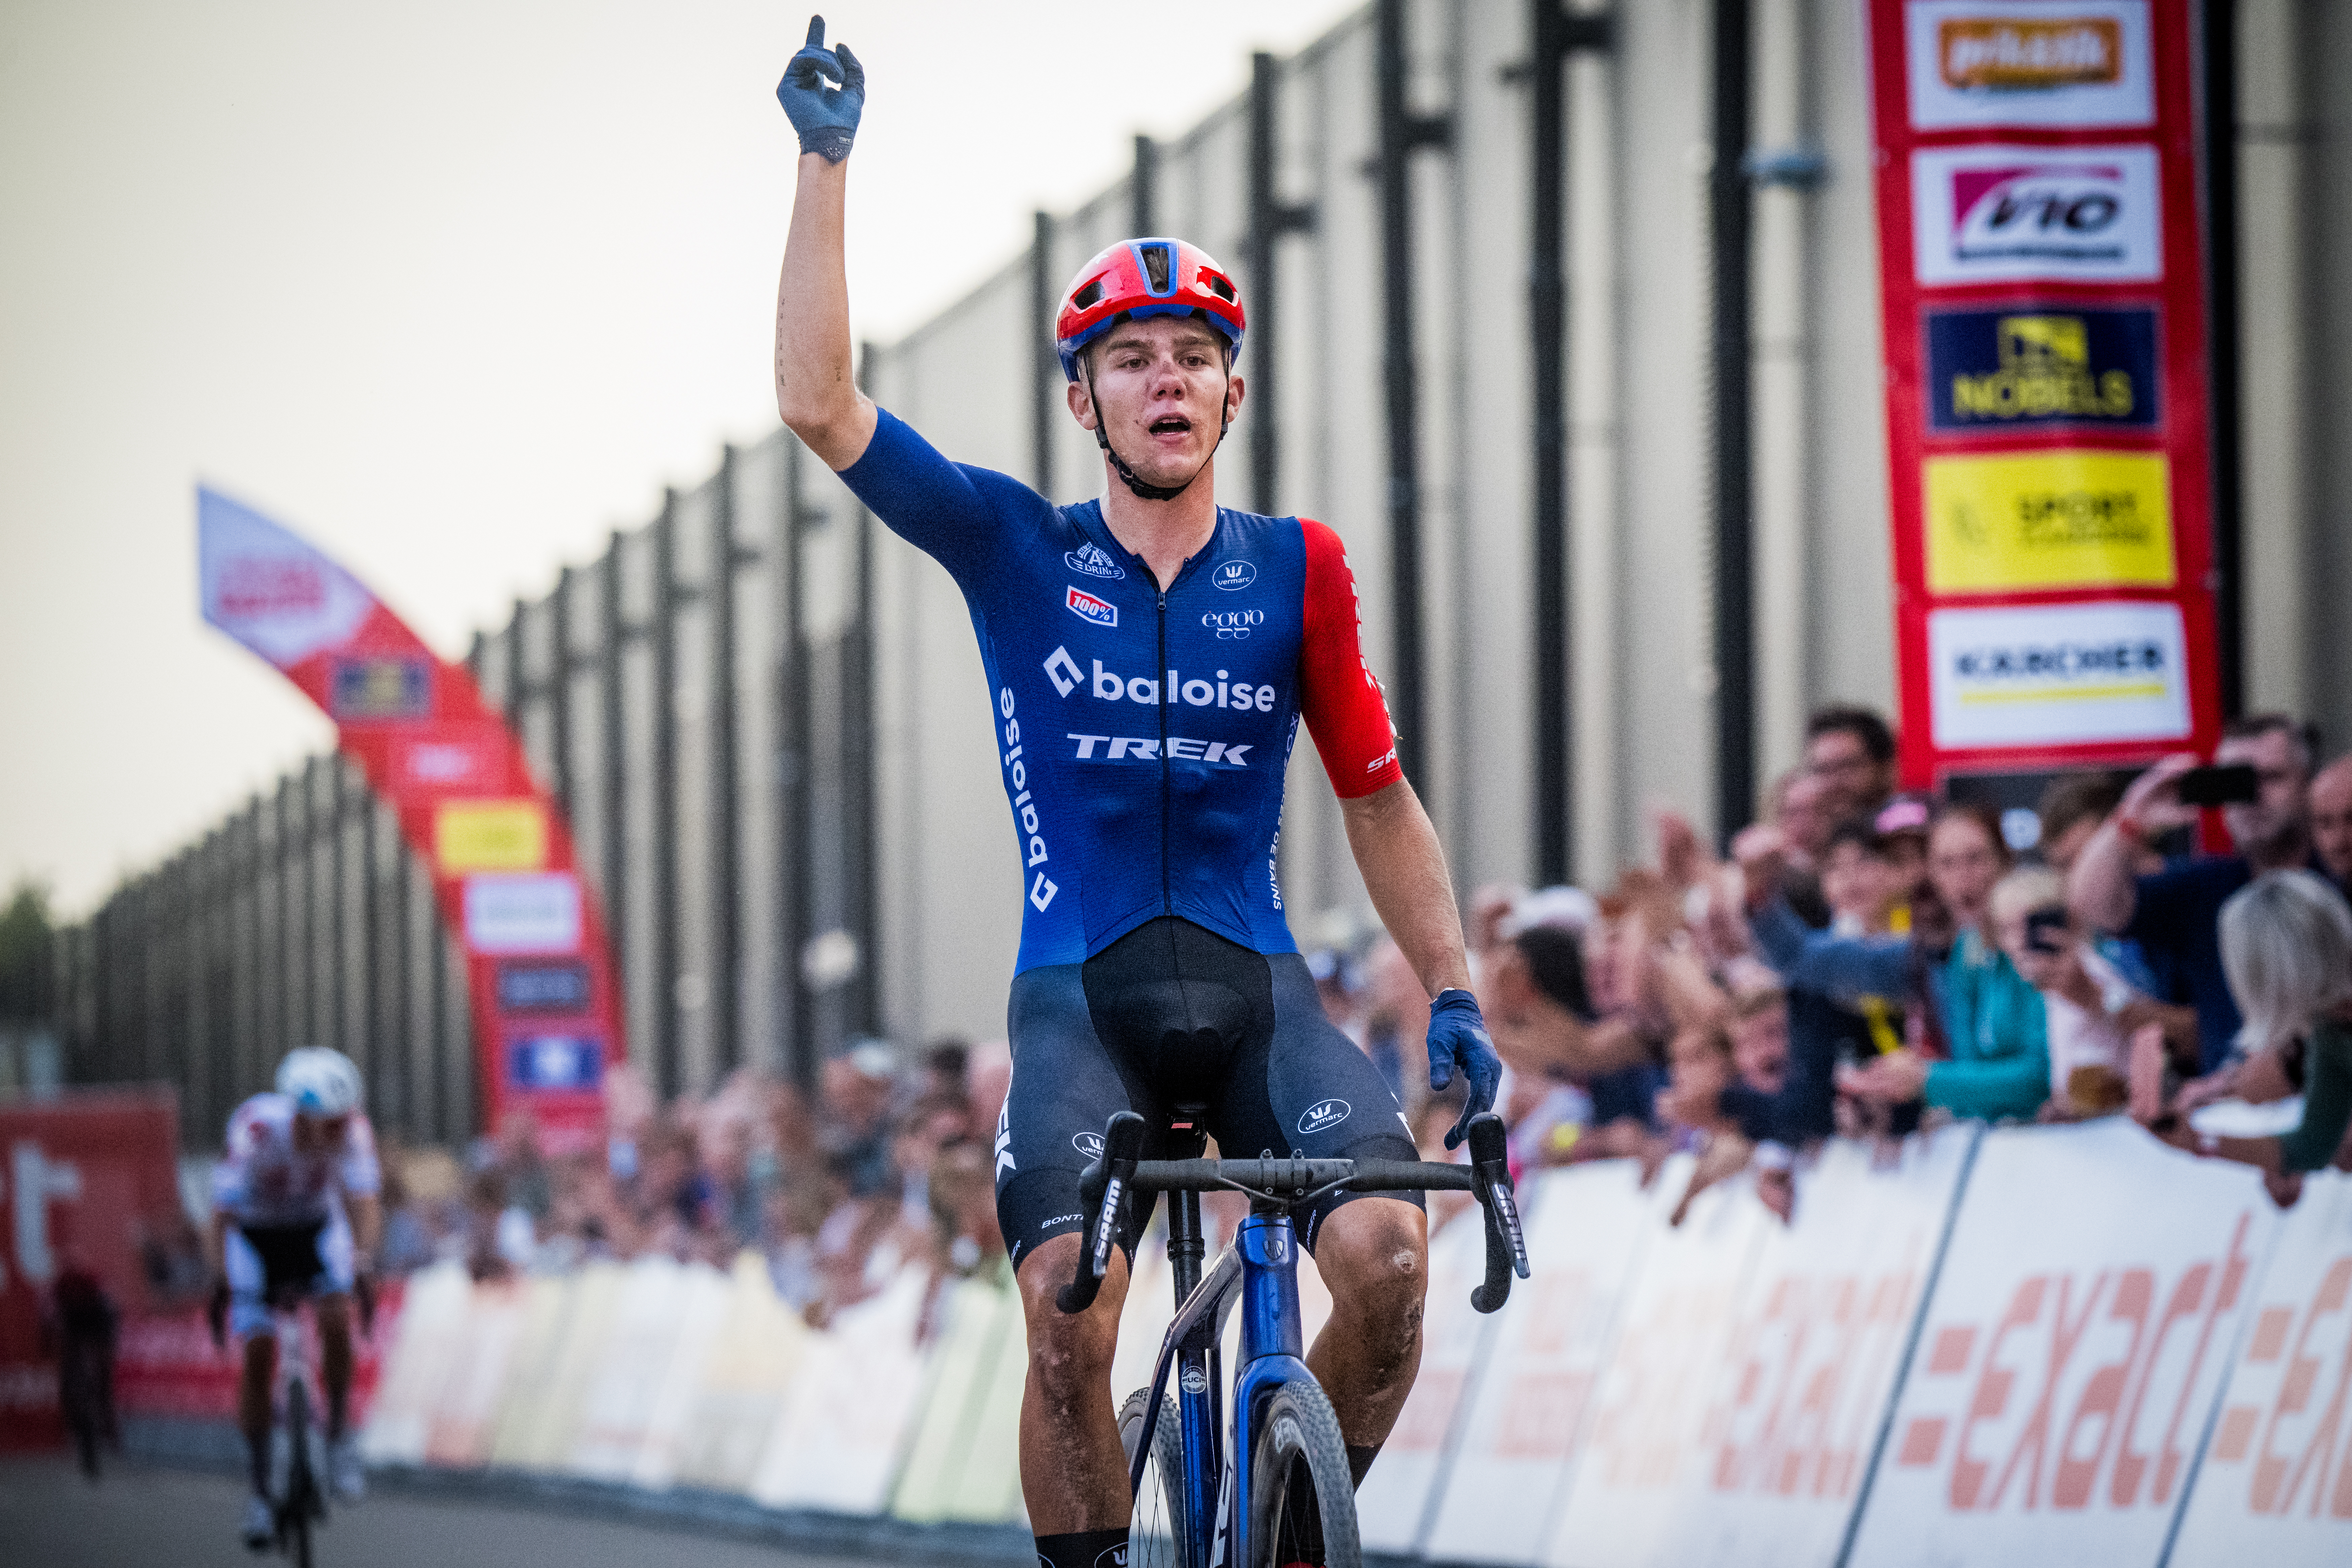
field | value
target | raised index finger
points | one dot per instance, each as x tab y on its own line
817	32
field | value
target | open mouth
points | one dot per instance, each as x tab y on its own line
1172	425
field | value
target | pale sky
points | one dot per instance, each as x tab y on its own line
454	290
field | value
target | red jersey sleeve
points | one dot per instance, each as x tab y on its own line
1341	702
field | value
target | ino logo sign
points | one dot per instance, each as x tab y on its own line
1988	215
1234	575
1086	607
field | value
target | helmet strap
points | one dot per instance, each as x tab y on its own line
1144	489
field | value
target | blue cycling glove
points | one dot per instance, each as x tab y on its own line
824	91
1458	1039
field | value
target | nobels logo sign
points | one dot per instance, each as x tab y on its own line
2020	369
2018	54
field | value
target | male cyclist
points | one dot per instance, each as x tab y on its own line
295	1210
1149	654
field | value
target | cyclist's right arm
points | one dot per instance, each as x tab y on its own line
816	386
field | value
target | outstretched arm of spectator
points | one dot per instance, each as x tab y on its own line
2103	889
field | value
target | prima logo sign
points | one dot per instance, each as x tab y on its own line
1994	214
1324	1114
1094	561
1087	608
1234	575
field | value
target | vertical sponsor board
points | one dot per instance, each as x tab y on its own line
2042	282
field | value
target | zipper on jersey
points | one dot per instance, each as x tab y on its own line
1166	894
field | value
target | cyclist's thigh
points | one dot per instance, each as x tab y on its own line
334	1253
1305	1089
249	1280
1066	1085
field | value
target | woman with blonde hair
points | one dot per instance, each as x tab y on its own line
2286	947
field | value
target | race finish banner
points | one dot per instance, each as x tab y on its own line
546	1019
2043	282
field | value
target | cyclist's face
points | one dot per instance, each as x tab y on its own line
1160	388
319	1131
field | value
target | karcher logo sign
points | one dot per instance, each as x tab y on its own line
2018	54
1086	607
1094	561
1986	215
1234	575
2019	677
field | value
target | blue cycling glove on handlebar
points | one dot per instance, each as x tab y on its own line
824	91
1458	1039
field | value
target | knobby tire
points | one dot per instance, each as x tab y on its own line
1302	1503
301	1486
1156	1534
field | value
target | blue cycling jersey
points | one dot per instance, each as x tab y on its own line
1142	732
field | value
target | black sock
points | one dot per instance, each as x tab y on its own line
1084	1549
256	1455
1359	1460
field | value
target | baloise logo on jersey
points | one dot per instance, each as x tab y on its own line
1997	214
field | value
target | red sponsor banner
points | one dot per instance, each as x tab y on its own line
86	1181
2043	286
167	1364
546	1016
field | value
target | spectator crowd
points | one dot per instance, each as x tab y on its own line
1861	962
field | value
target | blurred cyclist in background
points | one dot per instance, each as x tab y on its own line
296	1212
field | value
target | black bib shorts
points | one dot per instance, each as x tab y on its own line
1173	1016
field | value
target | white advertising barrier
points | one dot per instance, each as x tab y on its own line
1641	1453
843	1419
755	1351
1393	1503
1815	1346
2070	1357
703	1308
973	1318
988	1488
625	1380
466	1416
529	1390
431	1335
1527	1412
2275	1484
542	1420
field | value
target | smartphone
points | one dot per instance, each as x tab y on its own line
2231	784
2045	930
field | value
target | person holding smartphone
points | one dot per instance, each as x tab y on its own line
2261	780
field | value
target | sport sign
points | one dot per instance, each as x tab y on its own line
2042	281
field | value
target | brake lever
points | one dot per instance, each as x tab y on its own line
1104	1187
1490	1177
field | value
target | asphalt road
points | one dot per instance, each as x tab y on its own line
139	1515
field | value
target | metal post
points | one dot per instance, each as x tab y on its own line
372	1039
281	850
1729	212
792	771
668	1070
1046	364
517	674
559	691
857	786
257	982
402	1033
726	824
310	986
338	867
2219	19
615	809
1401	132
1270	218
1143	190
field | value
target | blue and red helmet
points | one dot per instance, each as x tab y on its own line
1140	277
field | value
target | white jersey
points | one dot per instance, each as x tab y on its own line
263	1180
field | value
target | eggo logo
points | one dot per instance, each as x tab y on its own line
1232	623
1086	607
1234	575
1986	213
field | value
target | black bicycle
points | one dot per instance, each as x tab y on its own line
1272	1488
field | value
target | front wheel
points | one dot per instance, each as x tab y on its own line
302	1503
1155	1536
1302	1503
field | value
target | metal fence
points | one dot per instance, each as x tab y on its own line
698	701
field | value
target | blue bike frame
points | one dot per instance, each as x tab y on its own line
1260	1273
